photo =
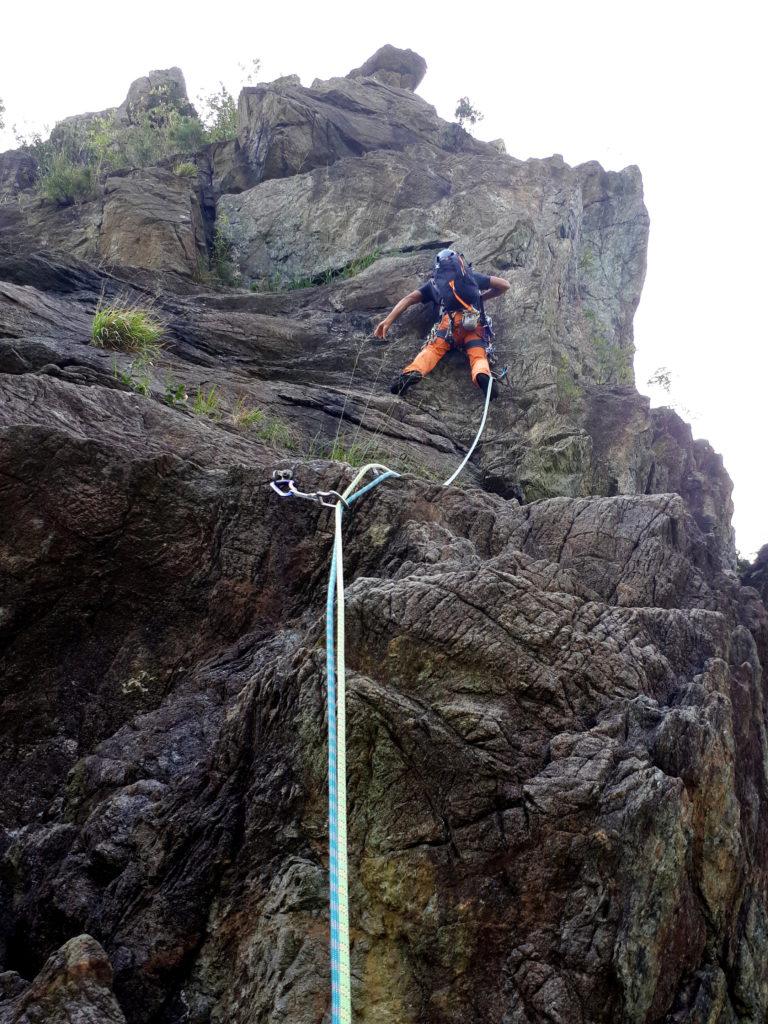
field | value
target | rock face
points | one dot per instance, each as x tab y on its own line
17	172
556	707
286	129
151	219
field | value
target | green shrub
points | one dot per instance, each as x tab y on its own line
298	282
220	115
175	393
207	404
186	169
223	253
586	260
358	453
202	272
65	182
466	113
153	135
354	453
661	378
128	329
269	283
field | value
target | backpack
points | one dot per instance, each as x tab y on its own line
454	283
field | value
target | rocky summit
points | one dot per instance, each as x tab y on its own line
556	718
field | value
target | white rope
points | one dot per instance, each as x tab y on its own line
465	460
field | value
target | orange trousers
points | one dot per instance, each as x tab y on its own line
469	342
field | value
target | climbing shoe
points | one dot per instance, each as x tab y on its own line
483	380
403	381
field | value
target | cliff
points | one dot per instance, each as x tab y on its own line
556	715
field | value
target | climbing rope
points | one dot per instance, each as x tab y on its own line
465	460
341	1012
335	669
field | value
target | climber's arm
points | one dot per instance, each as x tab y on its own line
410	300
498	286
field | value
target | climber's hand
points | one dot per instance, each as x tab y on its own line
381	330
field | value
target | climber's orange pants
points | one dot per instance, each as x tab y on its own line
469	342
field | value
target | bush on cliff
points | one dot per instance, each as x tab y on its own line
65	182
155	135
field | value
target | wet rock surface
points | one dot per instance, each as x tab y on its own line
556	706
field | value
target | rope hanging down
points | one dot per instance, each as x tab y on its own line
341	1010
283	484
465	460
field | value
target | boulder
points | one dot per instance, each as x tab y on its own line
402	69
73	987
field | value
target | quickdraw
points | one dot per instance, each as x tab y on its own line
282	483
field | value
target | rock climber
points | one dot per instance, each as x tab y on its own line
460	293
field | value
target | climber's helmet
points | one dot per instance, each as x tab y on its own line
444	254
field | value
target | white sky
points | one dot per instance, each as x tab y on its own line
678	88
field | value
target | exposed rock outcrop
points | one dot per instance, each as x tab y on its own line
158	88
403	69
557	718
165	88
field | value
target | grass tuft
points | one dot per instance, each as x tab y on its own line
207	404
128	328
244	416
278	433
185	169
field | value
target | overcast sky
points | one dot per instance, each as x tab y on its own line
678	88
